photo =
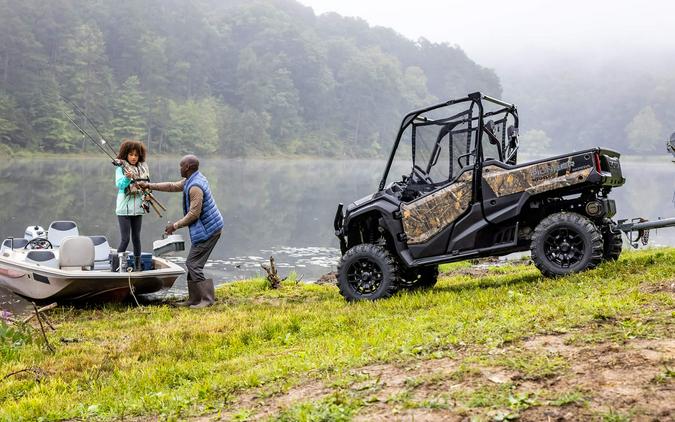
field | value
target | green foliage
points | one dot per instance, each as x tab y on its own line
236	78
128	105
12	338
644	131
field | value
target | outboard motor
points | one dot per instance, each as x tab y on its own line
33	232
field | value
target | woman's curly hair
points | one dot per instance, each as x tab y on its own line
129	145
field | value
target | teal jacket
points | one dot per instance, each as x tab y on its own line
126	204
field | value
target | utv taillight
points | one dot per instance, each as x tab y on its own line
597	162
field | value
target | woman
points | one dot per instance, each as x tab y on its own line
130	206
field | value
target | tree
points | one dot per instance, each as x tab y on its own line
194	126
128	117
535	143
51	129
88	76
644	131
8	127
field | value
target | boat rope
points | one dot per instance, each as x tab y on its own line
131	289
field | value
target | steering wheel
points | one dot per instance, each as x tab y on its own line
39	243
421	175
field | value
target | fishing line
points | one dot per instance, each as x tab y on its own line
79	110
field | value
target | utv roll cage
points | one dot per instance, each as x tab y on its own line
507	148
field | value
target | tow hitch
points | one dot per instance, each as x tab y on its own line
637	229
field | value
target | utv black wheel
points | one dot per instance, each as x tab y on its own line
566	243
612	240
367	272
419	278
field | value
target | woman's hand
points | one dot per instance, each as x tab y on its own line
129	174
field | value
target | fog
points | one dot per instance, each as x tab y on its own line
582	73
498	33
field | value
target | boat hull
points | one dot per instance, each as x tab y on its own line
51	284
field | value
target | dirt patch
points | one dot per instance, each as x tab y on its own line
667	286
633	380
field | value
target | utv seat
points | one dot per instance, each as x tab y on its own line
42	258
101	253
76	253
58	230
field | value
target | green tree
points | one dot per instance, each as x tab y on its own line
8	127
194	126
50	128
644	132
88	76
128	111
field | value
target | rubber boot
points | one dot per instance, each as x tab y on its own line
192	299
206	294
137	264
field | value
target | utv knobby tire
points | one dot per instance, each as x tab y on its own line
566	243
420	278
367	272
612	240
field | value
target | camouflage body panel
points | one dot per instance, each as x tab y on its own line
536	178
427	216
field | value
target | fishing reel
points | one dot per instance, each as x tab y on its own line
145	205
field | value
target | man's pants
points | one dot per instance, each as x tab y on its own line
198	256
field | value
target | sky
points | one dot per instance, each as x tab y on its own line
499	34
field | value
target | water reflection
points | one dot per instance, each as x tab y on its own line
271	207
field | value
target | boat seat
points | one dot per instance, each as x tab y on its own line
76	253
42	258
19	242
101	253
59	230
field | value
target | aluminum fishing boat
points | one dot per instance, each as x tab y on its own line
60	265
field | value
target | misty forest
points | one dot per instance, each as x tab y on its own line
270	77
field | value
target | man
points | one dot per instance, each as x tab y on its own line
205	224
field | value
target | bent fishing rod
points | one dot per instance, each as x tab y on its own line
115	162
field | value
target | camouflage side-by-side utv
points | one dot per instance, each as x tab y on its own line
464	196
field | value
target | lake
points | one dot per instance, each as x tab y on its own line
280	208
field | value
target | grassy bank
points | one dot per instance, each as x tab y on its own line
238	358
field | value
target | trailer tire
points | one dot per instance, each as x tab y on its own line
565	243
367	272
612	240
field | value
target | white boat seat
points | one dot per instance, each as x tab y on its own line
42	258
76	253
101	253
19	243
61	229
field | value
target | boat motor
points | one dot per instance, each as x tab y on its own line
168	244
33	232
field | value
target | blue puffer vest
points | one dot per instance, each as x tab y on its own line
210	221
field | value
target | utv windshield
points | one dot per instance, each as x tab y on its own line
443	139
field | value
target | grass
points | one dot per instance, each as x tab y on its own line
171	363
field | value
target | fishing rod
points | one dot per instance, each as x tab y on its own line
151	199
115	162
79	110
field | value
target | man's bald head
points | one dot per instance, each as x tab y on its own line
188	165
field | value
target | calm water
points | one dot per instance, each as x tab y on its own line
283	208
